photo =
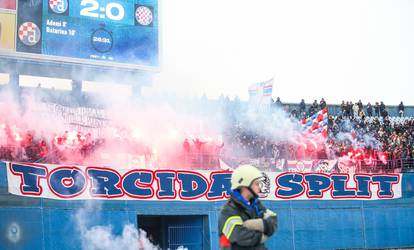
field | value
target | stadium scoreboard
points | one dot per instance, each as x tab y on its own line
121	33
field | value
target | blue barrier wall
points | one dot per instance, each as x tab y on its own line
32	223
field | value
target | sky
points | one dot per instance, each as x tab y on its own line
339	50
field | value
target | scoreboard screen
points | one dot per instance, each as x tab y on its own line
122	33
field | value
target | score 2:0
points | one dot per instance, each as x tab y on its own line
92	6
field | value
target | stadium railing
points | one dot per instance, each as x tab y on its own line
210	161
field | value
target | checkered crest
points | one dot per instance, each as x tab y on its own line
144	15
58	6
29	33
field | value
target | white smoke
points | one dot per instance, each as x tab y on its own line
359	138
274	123
102	237
160	125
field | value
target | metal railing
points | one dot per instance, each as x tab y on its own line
206	161
398	165
210	162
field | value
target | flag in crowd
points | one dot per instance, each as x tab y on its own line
260	93
317	123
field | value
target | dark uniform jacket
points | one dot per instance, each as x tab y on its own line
233	235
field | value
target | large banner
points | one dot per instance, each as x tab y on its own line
83	119
309	166
76	182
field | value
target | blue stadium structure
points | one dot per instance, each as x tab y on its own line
38	223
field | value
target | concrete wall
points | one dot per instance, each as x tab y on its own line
31	223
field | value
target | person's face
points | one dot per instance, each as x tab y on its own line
256	186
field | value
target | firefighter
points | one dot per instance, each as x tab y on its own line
244	223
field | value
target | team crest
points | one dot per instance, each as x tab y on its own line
144	15
29	33
58	6
264	185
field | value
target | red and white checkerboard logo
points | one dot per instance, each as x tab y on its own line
29	33
58	6
143	15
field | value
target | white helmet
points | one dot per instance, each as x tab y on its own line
244	175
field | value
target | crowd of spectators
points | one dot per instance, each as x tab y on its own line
29	146
355	131
241	142
200	153
346	109
70	147
377	138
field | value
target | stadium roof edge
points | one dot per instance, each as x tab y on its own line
75	71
